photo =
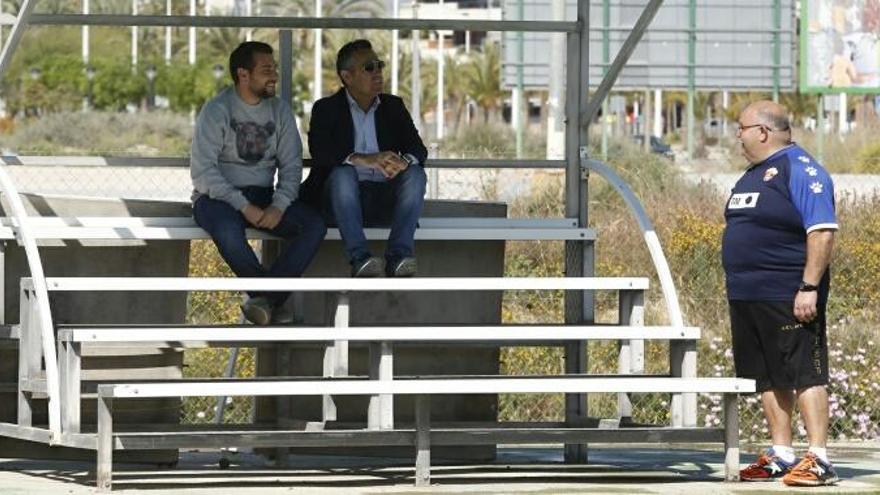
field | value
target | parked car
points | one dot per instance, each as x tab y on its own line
658	146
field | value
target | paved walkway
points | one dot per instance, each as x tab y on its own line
647	470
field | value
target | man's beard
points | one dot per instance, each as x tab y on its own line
264	92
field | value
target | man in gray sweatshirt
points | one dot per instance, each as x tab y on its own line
243	136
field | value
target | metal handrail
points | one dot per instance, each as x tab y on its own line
667	284
21	227
183	162
303	22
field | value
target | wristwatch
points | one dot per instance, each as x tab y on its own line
805	287
409	159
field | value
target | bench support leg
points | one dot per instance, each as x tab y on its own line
380	415
105	443
27	361
336	356
576	406
579	305
70	357
731	438
631	360
423	440
683	363
282	403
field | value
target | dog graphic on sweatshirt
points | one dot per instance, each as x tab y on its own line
252	139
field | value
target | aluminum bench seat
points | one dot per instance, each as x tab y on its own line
182	228
506	335
422	437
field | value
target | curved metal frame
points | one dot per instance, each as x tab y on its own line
667	285
23	235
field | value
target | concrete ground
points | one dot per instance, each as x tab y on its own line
631	470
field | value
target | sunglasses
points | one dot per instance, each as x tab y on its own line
374	65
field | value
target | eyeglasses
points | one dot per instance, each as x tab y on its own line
374	65
742	128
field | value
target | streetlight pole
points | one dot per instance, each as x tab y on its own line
167	34
416	76
249	11
35	74
218	74
192	34
692	60
85	34
134	36
395	48
319	49
440	82
90	77
151	78
517	101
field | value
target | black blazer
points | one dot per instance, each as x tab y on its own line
331	137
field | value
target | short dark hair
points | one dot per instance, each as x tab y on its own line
345	55
243	57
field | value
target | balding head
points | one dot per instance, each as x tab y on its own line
771	114
764	129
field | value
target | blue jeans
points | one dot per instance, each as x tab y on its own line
301	225
349	204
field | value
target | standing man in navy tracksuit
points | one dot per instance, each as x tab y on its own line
776	250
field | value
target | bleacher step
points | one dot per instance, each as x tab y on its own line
500	333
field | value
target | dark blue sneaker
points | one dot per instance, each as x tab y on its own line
811	471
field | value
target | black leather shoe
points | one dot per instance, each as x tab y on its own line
369	267
404	267
282	314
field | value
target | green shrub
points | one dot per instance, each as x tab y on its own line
188	87
490	141
86	133
117	84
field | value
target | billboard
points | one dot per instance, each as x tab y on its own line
839	48
735	44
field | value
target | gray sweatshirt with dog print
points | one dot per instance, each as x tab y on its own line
236	145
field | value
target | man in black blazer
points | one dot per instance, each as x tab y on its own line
367	164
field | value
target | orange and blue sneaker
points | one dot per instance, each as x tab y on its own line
811	471
768	467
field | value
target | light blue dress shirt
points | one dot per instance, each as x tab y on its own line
365	140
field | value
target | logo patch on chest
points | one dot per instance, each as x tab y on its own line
770	173
743	200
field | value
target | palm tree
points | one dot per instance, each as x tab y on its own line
428	82
333	39
456	91
482	79
799	105
738	101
